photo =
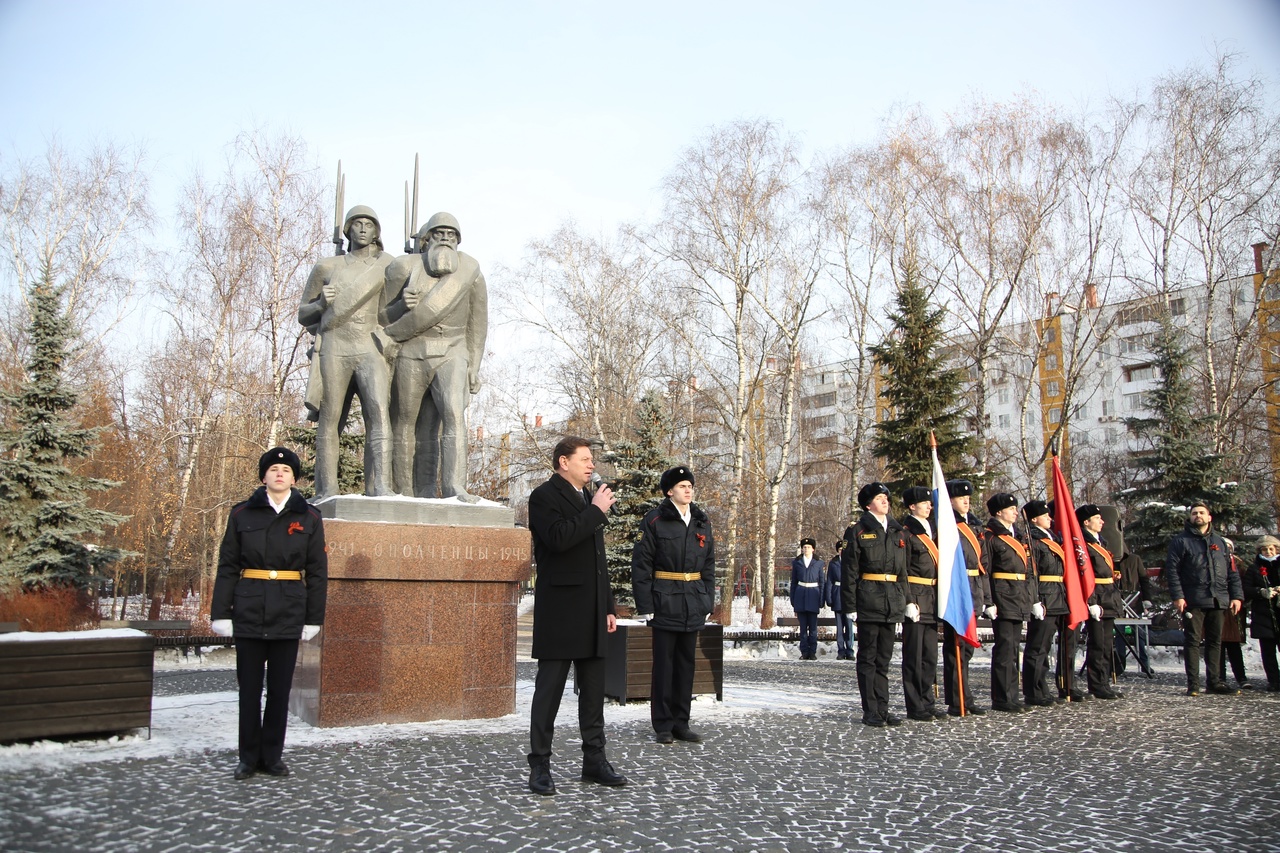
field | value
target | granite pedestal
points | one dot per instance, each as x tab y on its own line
421	618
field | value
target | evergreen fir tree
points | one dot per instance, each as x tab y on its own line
46	514
639	464
302	439
924	395
1178	467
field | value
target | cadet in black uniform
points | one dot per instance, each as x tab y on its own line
1013	592
875	579
270	593
1047	560
953	671
1104	605
920	630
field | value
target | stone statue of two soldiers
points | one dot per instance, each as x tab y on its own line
405	335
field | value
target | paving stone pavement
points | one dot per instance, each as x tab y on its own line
783	768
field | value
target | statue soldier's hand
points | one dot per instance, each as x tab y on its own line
411	298
329	292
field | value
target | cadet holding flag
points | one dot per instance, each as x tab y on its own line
955	663
920	630
1104	605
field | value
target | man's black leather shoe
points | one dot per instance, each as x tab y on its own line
687	734
277	769
921	716
603	773
874	722
1223	690
244	771
664	737
540	777
1009	707
891	720
1043	703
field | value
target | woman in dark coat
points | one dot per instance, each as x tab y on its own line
270	592
807	577
1262	593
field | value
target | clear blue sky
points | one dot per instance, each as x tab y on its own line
527	113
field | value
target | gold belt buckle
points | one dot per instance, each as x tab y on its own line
272	574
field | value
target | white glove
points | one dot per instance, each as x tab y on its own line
221	627
644	617
1095	611
854	616
990	611
309	632
913	612
1037	610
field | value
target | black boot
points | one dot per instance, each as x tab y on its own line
540	776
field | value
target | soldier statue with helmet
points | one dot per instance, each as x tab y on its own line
437	316
342	305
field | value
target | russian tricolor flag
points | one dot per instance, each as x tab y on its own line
955	601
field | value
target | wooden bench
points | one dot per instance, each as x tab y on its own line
75	685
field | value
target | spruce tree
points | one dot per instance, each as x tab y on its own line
1177	465
639	464
46	515
302	439
924	394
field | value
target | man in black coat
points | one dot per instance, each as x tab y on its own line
1013	593
1204	585
833	598
955	654
573	610
875	580
673	578
270	592
1104	605
1047	561
920	630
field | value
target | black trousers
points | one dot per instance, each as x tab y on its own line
1004	661
808	632
1065	667
548	688
1270	664
262	731
844	635
919	665
1232	652
671	690
875	648
954	672
1100	646
1196	624
1035	659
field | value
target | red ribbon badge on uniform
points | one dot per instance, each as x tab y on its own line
1214	548
702	540
295	527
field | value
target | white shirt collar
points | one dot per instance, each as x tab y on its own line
279	507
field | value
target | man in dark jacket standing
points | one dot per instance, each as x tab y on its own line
875	580
1104	605
1047	561
833	598
573	610
1013	592
955	654
920	630
673	577
270	592
807	573
1204	586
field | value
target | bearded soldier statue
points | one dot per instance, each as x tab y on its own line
437	313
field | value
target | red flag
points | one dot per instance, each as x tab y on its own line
1080	581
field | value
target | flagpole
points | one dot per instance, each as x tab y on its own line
959	676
